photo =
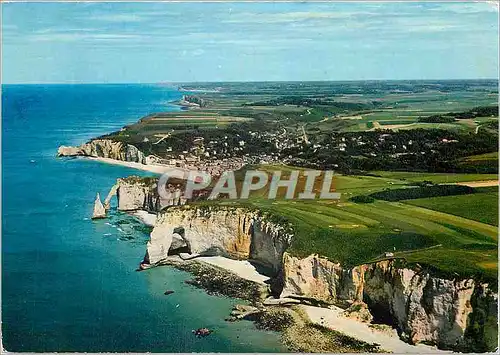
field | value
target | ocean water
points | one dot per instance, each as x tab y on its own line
69	283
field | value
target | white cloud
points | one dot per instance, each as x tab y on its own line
198	52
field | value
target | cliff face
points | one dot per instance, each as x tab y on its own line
456	314
105	148
137	193
231	232
422	307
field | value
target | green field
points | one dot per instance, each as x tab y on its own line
461	241
456	234
481	157
438	178
481	162
481	207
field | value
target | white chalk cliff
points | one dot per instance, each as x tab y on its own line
231	232
141	193
104	148
452	314
458	313
424	308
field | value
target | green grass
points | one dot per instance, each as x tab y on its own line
481	157
353	234
460	239
396	121
482	207
437	178
480	163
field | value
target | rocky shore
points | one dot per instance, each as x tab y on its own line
217	281
298	333
457	314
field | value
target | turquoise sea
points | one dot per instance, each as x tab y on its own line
69	283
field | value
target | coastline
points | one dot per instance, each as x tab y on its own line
156	169
333	318
242	268
236	278
230	279
226	277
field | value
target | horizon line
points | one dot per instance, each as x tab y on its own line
241	81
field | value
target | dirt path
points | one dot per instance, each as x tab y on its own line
333	319
485	183
477	129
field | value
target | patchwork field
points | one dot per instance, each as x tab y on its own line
437	126
324	107
482	162
438	178
453	235
478	207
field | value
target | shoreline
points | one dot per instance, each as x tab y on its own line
241	268
333	318
156	169
230	276
216	279
219	276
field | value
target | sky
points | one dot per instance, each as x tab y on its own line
259	41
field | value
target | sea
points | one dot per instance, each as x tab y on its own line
69	284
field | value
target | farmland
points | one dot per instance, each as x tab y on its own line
439	178
478	207
399	149
456	236
346	126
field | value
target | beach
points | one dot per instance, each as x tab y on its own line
333	318
242	268
157	169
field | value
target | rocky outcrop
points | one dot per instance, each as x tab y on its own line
231	232
99	211
141	193
422	307
65	151
104	148
111	193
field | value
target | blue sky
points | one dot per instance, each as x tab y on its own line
180	42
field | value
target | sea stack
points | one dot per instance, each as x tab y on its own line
99	210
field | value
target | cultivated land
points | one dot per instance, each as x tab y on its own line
478	207
418	126
397	146
458	238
